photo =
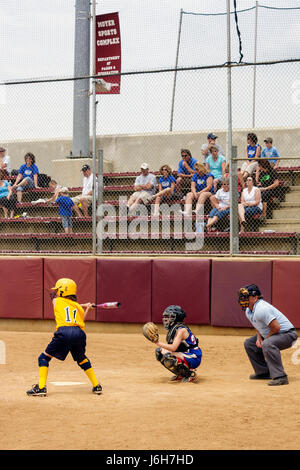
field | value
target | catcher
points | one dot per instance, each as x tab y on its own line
181	355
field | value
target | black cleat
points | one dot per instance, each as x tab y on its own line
259	376
97	390
176	378
190	378
36	391
279	381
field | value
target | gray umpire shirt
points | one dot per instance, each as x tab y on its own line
262	315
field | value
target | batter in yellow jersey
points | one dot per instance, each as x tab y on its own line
67	312
69	336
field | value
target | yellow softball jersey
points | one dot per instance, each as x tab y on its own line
68	313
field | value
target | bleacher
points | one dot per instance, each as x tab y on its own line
40	230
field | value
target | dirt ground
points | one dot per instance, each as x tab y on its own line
141	409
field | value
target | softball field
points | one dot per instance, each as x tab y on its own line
140	408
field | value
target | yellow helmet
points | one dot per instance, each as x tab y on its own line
65	287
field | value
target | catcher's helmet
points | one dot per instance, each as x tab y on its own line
245	292
65	287
172	315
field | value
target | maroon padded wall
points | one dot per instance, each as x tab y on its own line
21	293
226	279
82	271
184	282
127	281
286	287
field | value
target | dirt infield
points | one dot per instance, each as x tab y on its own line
140	408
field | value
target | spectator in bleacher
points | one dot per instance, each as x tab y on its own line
85	199
186	169
250	202
166	188
271	152
144	188
211	142
216	164
241	181
65	205
201	189
7	198
268	182
252	153
4	162
27	177
55	188
221	204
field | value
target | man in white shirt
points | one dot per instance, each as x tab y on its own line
145	188
4	161
86	197
274	332
211	142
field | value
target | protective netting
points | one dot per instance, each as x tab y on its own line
273	32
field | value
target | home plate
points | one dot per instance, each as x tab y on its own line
63	384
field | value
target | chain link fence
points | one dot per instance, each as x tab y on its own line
149	123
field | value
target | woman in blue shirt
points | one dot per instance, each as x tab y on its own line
166	188
7	199
252	153
27	176
201	189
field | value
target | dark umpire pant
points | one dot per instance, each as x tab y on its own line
267	359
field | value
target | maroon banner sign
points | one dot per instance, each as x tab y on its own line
108	53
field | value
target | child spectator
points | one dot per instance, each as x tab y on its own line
271	153
65	205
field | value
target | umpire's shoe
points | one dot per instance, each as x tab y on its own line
279	381
36	391
97	390
259	376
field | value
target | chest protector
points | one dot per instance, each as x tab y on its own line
185	345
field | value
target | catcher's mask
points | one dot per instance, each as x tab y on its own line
172	315
65	287
245	292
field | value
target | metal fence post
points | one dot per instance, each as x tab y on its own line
81	111
100	200
175	74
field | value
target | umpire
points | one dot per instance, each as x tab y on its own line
274	332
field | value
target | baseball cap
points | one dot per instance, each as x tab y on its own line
269	139
144	166
2	149
253	290
64	190
85	167
211	135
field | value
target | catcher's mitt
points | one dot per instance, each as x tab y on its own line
150	331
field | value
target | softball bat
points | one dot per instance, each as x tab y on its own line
108	305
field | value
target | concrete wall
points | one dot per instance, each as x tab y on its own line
126	152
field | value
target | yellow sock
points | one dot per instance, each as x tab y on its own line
91	375
43	376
